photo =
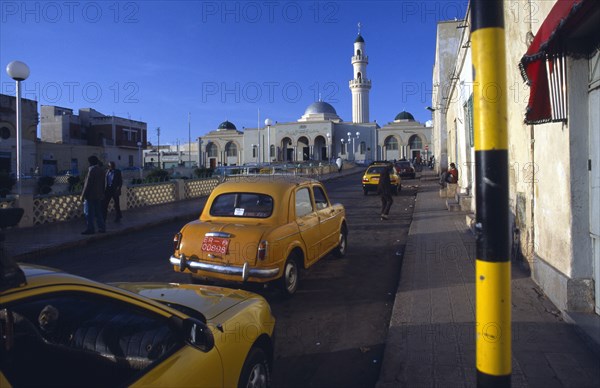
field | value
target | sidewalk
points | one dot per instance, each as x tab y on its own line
431	337
27	243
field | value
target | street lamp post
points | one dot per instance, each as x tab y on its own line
328	146
353	147
200	161
268	123
342	150
139	144
350	137
158	146
18	71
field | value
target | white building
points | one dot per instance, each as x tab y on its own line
320	134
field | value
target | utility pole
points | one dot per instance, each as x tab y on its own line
189	140
158	146
492	265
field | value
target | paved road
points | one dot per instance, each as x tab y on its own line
332	332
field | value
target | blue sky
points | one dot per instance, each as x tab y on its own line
157	61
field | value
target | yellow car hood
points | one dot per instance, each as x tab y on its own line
210	301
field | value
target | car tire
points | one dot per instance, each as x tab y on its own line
290	277
340	250
256	371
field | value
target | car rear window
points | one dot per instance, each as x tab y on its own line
251	205
403	164
377	169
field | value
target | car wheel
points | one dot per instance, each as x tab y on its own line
291	274
255	372
340	250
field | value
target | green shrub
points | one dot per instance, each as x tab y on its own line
157	176
75	184
203	172
44	184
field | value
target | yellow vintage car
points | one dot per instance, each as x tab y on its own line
370	178
261	229
58	329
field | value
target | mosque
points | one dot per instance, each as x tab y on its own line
320	135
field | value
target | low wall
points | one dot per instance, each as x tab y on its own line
65	206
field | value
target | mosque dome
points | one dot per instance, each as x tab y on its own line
359	39
320	107
404	115
226	125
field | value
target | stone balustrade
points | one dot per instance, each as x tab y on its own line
58	207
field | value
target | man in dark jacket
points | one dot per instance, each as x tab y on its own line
92	196
114	181
384	188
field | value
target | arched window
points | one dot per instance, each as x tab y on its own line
359	75
358	53
391	143
415	142
212	150
272	151
363	147
231	149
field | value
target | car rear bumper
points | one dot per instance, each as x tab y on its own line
244	271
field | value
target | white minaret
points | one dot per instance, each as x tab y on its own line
360	85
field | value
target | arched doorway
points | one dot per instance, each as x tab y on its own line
287	152
415	145
390	147
303	149
320	148
212	153
231	153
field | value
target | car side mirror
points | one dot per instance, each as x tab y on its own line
194	332
197	334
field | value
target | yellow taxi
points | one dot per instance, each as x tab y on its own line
370	178
58	329
261	229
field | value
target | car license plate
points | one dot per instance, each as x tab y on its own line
215	244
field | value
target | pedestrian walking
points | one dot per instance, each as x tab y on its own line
384	188
114	181
339	163
92	196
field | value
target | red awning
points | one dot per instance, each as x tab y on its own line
572	28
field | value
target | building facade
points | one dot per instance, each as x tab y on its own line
8	134
67	139
553	85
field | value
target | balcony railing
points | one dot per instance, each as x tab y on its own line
362	82
360	58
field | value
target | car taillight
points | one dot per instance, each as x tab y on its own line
177	241
262	250
365	180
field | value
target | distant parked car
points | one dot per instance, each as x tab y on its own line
261	228
404	168
370	179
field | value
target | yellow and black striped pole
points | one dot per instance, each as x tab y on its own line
492	269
